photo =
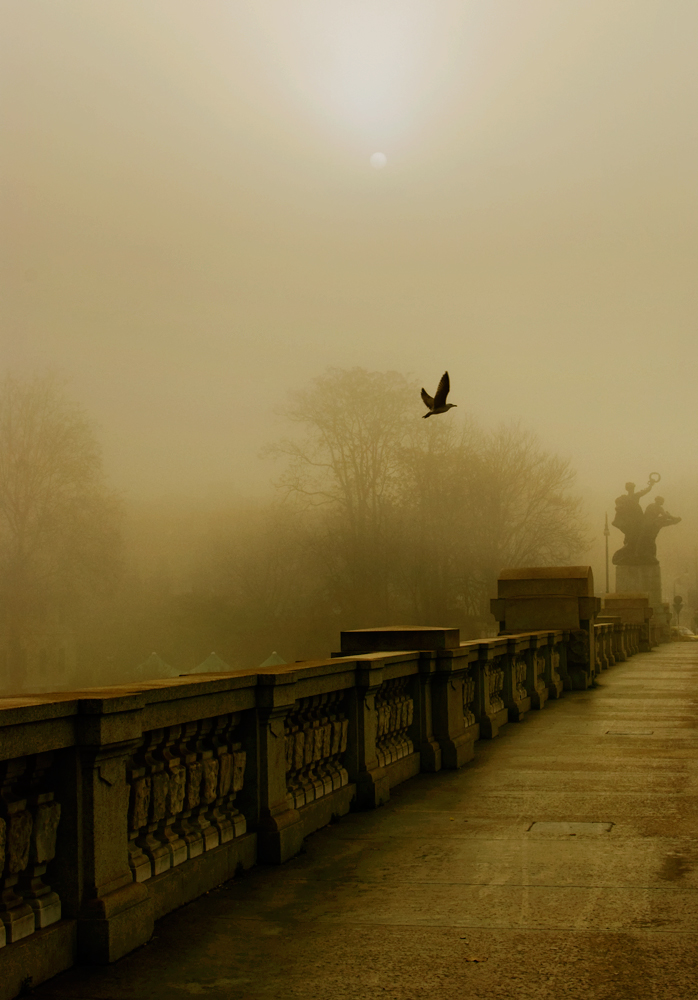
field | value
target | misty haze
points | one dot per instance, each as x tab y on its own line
242	244
194	233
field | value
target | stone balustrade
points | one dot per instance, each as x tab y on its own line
120	804
28	830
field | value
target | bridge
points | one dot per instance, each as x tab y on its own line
220	835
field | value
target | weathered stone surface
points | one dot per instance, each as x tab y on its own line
209	788
18	840
176	789
140	803
550	597
194	776
45	830
18	920
45	904
160	786
225	773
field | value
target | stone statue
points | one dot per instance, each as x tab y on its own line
653	520
639	527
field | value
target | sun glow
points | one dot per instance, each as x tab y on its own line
365	67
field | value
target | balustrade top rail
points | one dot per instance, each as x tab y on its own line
56	714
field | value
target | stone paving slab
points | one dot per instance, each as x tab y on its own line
448	892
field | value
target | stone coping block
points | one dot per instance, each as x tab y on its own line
631	606
573	581
393	638
539	597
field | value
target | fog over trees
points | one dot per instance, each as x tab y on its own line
60	528
377	517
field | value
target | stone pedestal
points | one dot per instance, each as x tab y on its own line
542	598
641	580
634	610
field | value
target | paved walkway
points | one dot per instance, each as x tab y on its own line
450	893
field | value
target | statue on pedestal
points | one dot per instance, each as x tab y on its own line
640	527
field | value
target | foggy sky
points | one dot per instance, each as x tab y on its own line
192	226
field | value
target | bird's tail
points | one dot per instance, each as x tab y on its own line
429	414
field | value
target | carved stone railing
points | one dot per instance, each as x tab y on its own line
395	711
119	804
469	699
490	708
182	786
29	818
316	740
517	696
605	654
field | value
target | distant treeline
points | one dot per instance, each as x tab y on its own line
378	518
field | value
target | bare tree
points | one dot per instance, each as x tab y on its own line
350	455
524	510
59	524
416	522
349	463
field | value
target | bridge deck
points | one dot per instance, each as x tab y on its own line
401	902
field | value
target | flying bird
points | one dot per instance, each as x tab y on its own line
438	404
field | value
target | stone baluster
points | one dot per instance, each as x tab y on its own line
42	847
323	745
138	807
552	677
395	714
623	653
315	738
314	784
490	710
206	752
598	661
294	746
338	726
239	765
469	696
225	815
154	848
601	631
184	826
516	669
401	709
221	748
17	916
535	671
176	775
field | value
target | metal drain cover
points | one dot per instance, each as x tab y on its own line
569	829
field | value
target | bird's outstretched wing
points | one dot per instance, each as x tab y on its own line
427	400
442	391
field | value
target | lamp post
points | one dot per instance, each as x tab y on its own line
607	532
